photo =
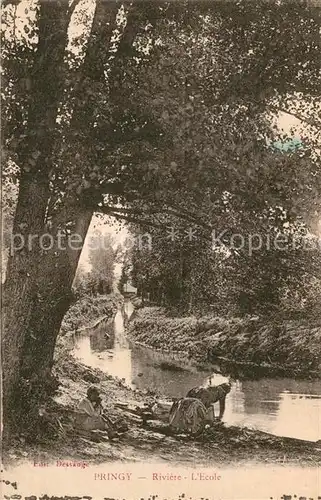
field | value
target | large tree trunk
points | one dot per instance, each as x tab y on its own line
18	297
54	296
28	357
58	267
34	156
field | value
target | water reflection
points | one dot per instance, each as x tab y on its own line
283	407
103	337
106	348
149	372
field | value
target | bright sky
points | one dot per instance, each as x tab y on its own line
105	225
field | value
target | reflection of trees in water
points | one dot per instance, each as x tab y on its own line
235	399
166	382
265	395
241	372
103	337
126	313
260	397
127	310
258	393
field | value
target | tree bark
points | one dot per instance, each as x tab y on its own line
34	154
54	297
44	296
18	296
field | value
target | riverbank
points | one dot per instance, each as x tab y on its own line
89	310
220	445
276	347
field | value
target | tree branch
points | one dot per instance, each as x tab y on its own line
128	218
177	212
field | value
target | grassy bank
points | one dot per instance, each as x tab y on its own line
289	346
87	310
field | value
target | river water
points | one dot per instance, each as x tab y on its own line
280	406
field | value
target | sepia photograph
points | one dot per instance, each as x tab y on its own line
161	250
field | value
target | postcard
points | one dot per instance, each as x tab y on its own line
161	256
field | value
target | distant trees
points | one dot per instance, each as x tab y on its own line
99	278
192	277
102	259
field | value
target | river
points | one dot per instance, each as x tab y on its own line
280	406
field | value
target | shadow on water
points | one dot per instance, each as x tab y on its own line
281	406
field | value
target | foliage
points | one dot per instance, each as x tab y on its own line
184	270
99	278
86	311
133	140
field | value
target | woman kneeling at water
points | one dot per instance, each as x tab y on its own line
192	413
188	415
210	395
